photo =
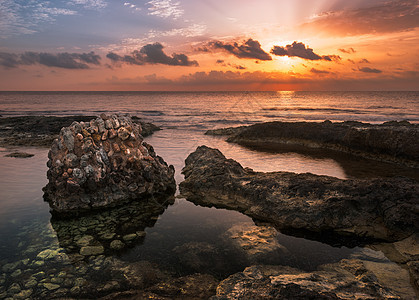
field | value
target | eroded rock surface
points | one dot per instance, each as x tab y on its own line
373	209
393	141
344	280
103	163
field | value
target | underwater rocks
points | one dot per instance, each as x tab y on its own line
108	231
42	130
364	209
396	142
342	280
103	163
19	155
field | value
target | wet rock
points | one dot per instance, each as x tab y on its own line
51	286
19	155
367	209
396	142
107	227
91	250
337	281
117	245
25	294
14	288
257	243
99	178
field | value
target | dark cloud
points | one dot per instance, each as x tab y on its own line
300	50
219	61
364	61
351	61
390	16
248	49
316	71
347	51
369	70
152	54
59	60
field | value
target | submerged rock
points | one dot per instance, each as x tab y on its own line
342	280
372	209
108	231
396	142
88	169
19	155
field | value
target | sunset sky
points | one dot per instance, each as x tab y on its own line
82	45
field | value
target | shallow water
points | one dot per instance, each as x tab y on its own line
40	255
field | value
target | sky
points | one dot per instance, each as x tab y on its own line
209	45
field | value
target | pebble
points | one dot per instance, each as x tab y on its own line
129	237
14	288
51	286
25	294
16	273
91	250
117	245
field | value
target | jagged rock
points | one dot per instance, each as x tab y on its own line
87	172
396	142
373	209
342	280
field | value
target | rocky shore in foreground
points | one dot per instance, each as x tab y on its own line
376	211
396	142
42	130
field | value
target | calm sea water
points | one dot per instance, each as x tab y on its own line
185	231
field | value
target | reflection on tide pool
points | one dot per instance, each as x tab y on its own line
146	245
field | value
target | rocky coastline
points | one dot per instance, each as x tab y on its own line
395	142
40	131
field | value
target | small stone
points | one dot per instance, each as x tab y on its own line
31	283
14	288
51	286
16	273
25	294
108	124
116	148
117	245
69	171
108	236
141	233
85	241
129	237
112	133
123	133
85	133
92	250
71	160
68	139
105	135
79	136
48	254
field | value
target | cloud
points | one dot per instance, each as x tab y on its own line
316	71
364	61
90	4
369	70
351	61
17	18
300	50
347	51
391	16
165	9
152	54
248	49
192	30
60	60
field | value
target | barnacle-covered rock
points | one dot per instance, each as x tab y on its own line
103	163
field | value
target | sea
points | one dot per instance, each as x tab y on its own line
185	237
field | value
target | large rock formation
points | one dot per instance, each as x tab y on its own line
367	209
103	163
396	142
